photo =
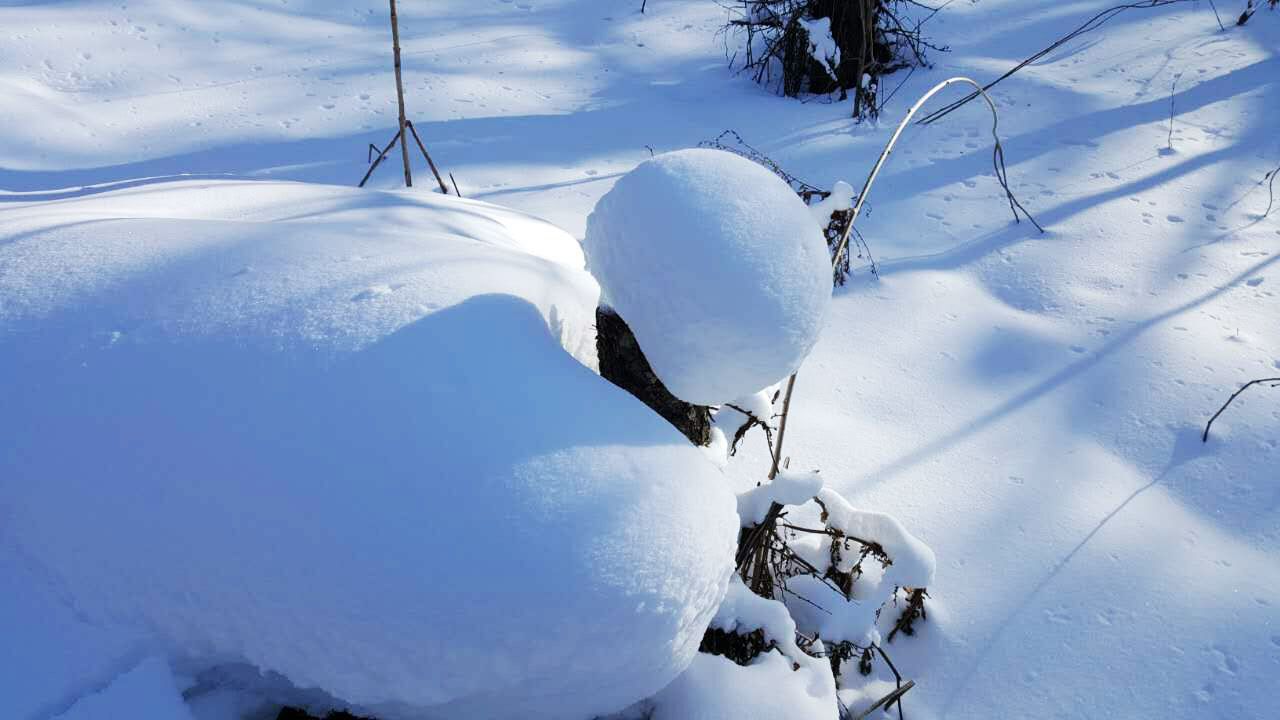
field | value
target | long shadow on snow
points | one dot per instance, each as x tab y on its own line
1186	448
1049	384
1082	130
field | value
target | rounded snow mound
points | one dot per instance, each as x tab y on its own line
451	517
718	268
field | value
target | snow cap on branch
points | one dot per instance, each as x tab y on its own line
718	268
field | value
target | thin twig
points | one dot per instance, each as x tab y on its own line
758	534
1221	27
839	535
1270	189
896	89
395	48
896	676
1092	24
782	425
378	161
1275	383
426	155
891	697
1172	92
997	161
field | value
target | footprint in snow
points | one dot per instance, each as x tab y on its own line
1254	282
1175	219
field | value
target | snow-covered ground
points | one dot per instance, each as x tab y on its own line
1028	405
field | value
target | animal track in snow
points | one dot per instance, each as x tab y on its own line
1224	661
1205	694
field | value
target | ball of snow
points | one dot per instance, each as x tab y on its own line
718	268
450	517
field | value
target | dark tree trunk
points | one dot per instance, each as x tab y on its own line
623	364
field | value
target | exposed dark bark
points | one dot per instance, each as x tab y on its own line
738	647
1252	8
624	364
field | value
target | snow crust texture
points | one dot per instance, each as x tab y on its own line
717	266
417	510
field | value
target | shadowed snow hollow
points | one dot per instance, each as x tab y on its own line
718	268
261	441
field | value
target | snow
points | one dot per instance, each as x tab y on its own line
859	700
758	405
913	562
51	655
717	267
841	198
224	444
742	611
238	252
1028	405
781	682
788	488
822	47
147	691
714	688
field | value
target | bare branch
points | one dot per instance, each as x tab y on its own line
1275	381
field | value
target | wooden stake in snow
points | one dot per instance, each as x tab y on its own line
395	49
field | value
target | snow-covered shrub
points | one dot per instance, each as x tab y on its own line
818	47
718	268
323	447
669	243
803	642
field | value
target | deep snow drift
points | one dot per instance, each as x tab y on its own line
718	268
325	452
